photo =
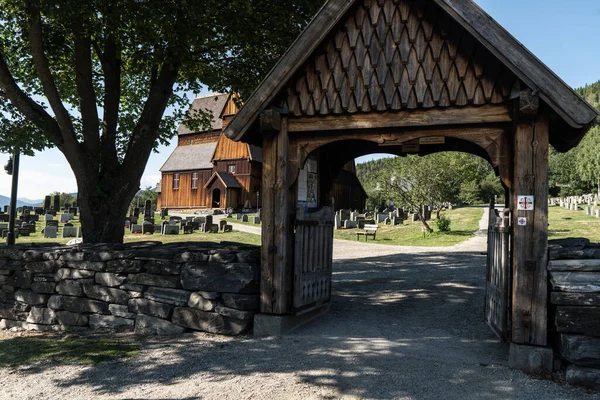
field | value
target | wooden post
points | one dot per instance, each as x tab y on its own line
530	241
277	223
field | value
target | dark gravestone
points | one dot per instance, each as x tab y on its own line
73	210
39	211
222	225
56	202
47	201
209	222
188	229
148	211
4	217
164	213
6	209
136	212
148	228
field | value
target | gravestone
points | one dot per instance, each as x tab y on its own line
69	232
598	213
56	203
52	223
23	231
397	221
47	201
4	217
50	231
239	216
136	212
148	228
588	210
164	213
256	220
6	208
354	216
213	228
415	218
222	225
387	221
170	229
208	223
228	228
337	221
381	218
345	214
39	211
200	220
427	213
245	218
350	224
136	228
64	217
188	229
73	211
148	211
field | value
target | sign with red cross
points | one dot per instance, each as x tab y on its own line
525	203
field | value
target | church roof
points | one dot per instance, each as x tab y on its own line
189	158
214	104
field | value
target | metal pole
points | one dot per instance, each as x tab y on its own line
10	237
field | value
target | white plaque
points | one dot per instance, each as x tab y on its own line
525	203
522	221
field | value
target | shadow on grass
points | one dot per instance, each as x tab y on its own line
63	350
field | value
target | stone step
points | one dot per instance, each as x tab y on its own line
574	265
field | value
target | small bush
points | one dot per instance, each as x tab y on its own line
443	223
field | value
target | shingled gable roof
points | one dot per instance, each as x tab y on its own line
564	101
227	179
213	103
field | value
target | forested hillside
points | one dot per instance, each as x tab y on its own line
578	171
471	179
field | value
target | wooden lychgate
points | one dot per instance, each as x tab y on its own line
399	77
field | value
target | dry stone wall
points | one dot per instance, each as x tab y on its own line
574	271
148	288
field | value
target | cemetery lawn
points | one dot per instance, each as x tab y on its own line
235	236
569	224
62	349
249	223
465	222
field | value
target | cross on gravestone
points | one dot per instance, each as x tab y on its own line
47	201
56	202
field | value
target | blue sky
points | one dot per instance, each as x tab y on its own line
563	34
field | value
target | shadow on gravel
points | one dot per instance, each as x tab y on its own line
401	326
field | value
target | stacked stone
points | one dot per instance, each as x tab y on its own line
574	270
147	288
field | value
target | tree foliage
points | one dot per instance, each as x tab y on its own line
94	78
433	180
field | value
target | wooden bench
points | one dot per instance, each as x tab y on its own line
369	230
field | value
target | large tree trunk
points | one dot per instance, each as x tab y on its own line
103	205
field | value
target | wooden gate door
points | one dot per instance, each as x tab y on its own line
497	289
313	255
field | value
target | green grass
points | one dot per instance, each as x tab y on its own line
568	224
16	351
249	223
235	236
465	222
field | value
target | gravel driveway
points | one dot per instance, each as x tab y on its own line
403	324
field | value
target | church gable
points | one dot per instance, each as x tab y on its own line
396	55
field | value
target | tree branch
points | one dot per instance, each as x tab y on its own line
111	67
29	108
40	62
147	129
85	88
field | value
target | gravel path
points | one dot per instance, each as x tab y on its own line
403	325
